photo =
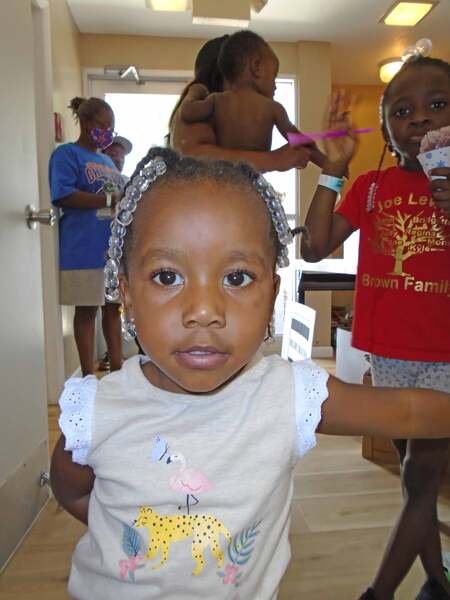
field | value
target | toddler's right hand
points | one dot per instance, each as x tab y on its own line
339	150
292	157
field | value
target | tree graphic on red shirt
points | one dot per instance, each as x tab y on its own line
402	236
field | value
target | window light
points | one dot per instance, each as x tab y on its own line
408	14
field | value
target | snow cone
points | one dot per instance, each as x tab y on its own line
435	150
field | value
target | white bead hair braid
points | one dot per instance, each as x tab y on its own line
124	216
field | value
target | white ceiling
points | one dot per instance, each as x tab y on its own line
359	41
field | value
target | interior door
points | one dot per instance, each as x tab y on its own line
23	414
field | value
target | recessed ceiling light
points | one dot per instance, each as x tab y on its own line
170	5
408	14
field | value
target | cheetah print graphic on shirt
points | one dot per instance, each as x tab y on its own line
164	530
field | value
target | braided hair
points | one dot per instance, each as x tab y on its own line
412	63
188	169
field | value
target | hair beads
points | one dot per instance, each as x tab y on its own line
154	168
123	218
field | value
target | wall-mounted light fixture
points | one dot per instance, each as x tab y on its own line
408	14
388	68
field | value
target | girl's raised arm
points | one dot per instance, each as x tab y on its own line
395	413
71	483
328	230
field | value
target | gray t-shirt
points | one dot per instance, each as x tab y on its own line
192	492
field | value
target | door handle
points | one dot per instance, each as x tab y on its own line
44	217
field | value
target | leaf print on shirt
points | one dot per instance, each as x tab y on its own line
239	552
134	547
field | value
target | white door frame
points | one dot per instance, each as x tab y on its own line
54	345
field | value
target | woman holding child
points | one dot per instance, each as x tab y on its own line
198	137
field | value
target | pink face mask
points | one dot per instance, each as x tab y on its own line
101	137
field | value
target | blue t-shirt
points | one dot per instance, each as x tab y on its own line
83	232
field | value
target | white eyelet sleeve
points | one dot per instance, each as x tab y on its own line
310	391
77	407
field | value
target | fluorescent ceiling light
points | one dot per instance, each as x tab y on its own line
389	67
407	14
170	5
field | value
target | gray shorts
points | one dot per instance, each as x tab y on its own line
392	372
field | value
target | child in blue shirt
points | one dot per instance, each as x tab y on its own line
80	176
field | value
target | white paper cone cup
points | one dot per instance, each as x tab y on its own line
439	157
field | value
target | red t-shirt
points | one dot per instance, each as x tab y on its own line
402	303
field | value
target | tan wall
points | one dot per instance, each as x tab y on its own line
67	77
145	52
67	83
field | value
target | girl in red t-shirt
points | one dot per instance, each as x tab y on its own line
402	307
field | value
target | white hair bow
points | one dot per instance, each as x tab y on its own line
420	48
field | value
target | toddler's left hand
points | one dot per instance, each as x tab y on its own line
440	188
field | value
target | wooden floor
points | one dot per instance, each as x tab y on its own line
343	510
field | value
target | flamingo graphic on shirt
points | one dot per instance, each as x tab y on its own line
188	481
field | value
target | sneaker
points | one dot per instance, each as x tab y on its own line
432	590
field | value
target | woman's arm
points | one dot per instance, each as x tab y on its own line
80	199
71	483
395	413
327	229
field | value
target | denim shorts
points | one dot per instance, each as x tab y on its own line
392	372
